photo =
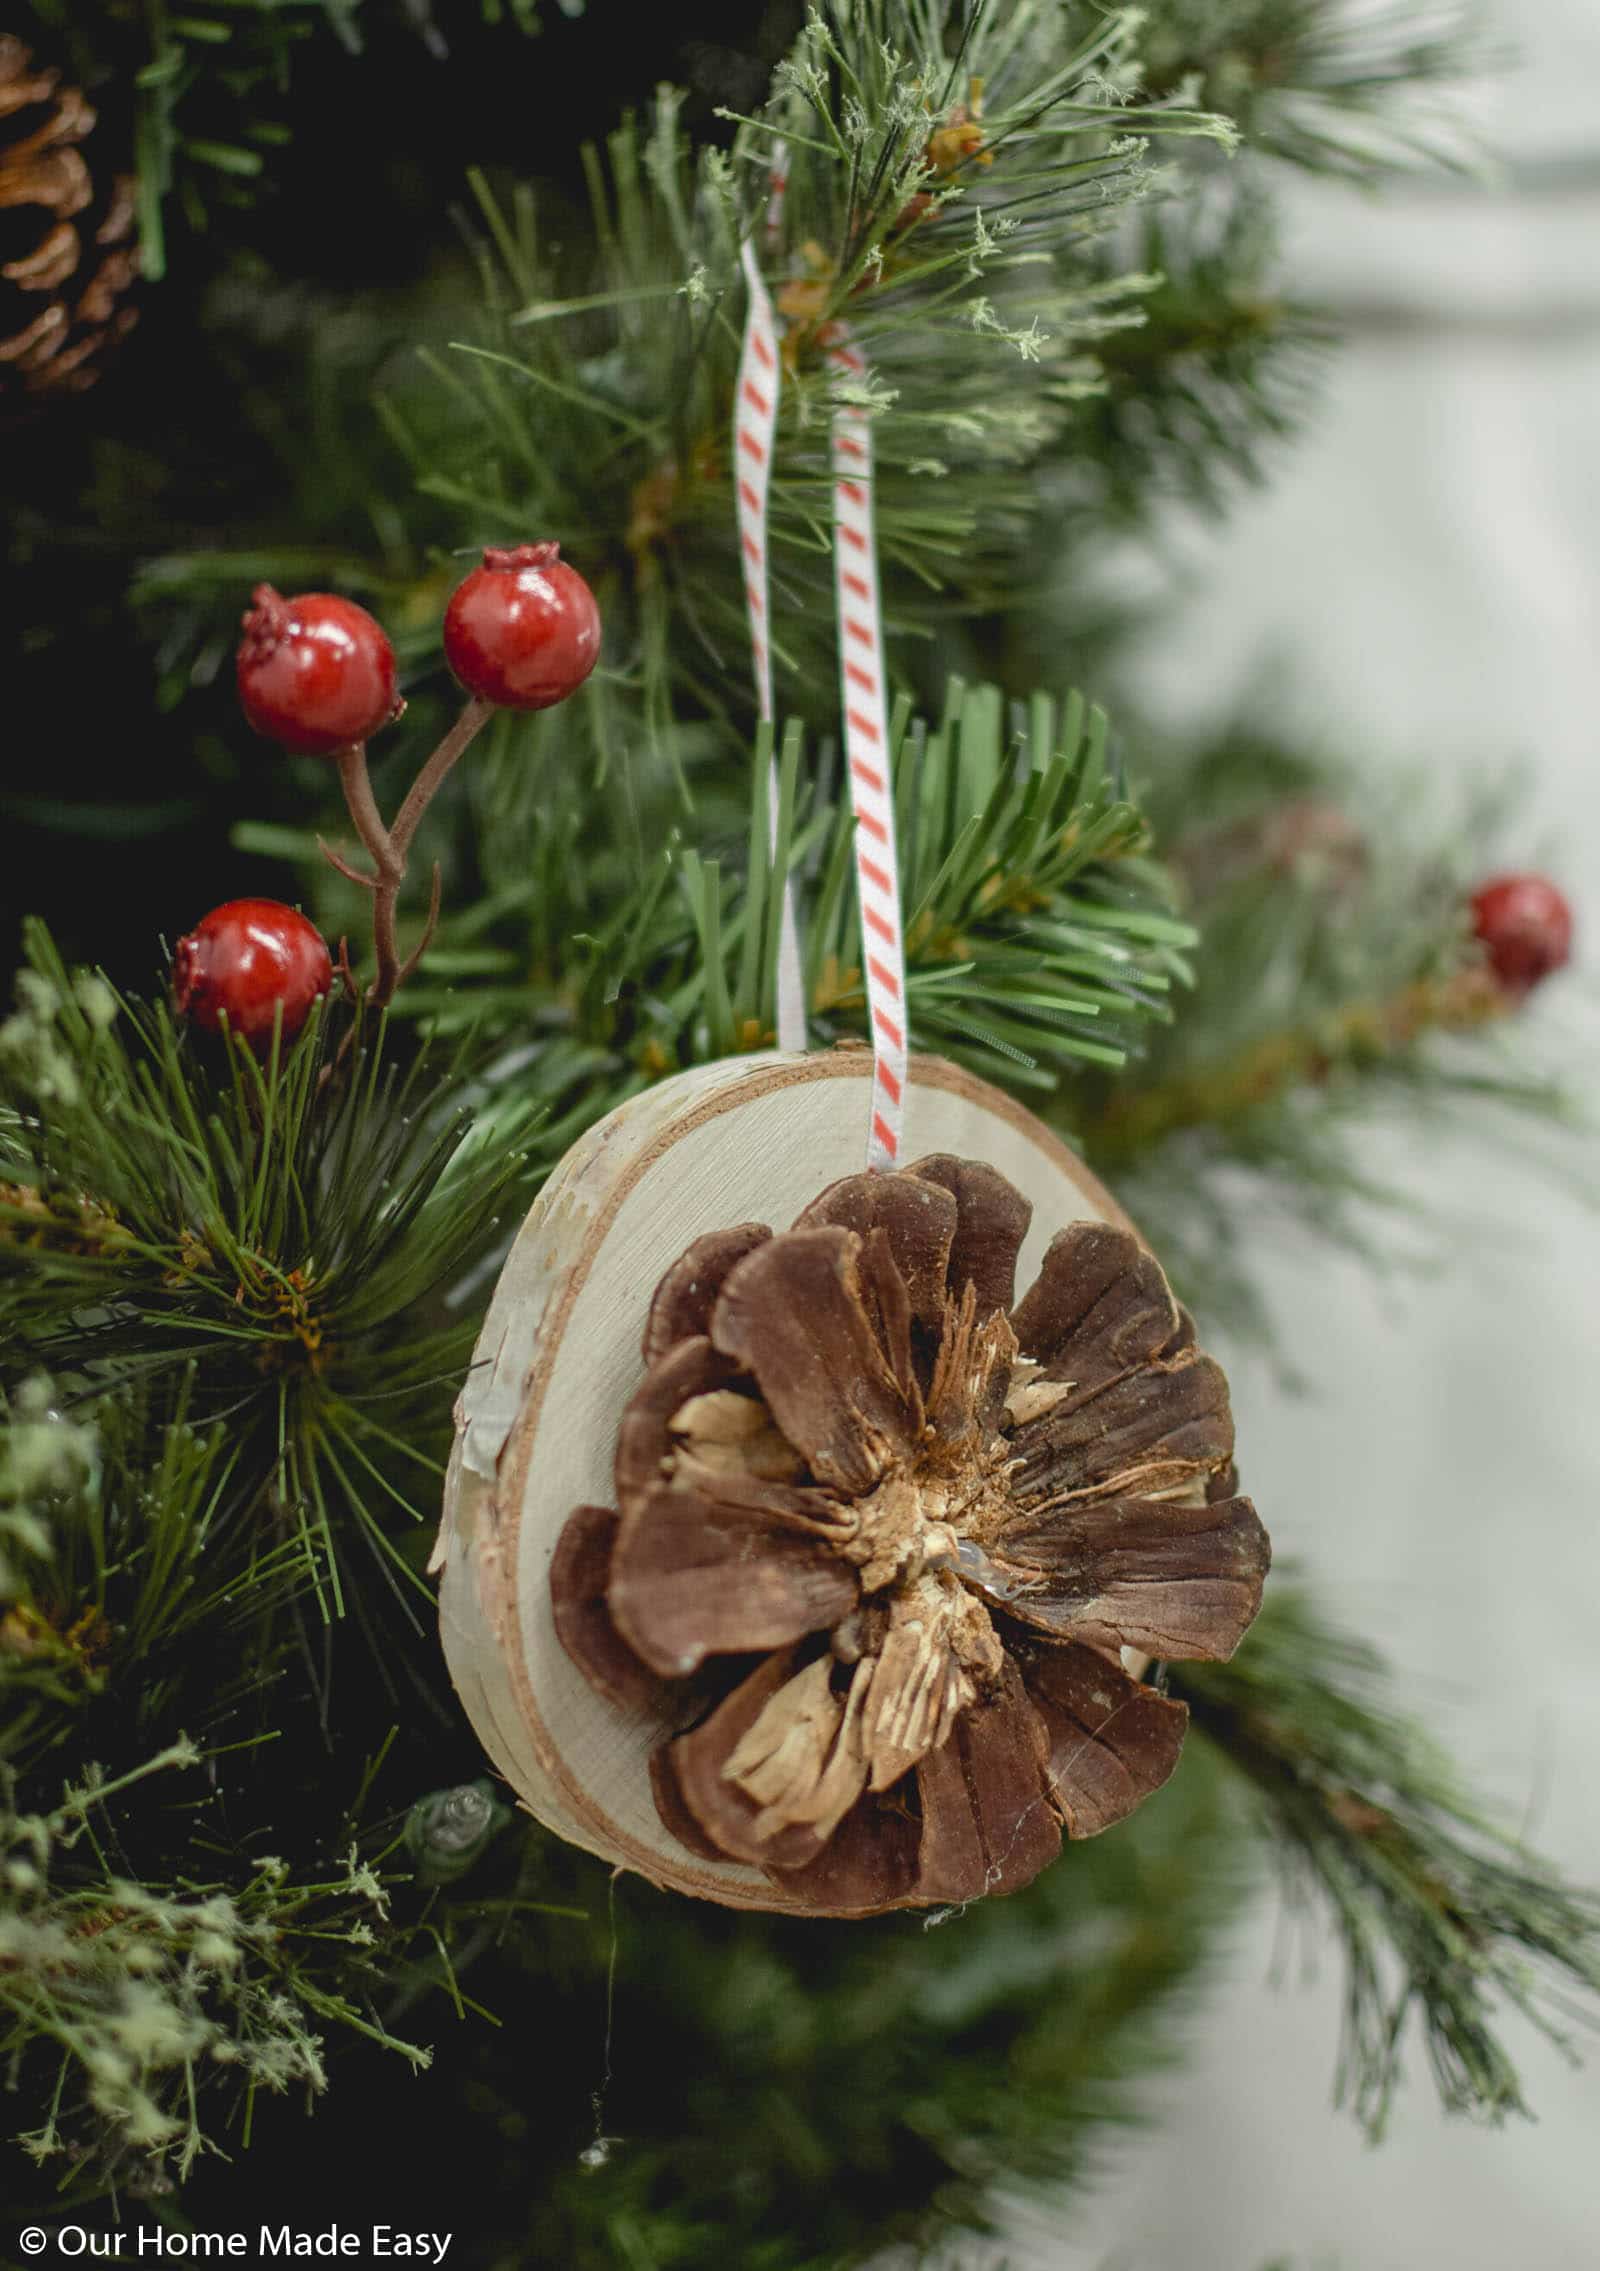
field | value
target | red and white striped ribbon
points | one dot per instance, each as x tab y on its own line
866	748
866	716
755	423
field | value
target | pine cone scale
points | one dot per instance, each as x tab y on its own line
67	236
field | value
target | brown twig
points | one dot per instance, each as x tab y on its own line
341	865
390	867
1359	1032
387	847
428	928
475	715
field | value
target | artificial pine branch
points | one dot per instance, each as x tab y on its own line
284	1239
1338	91
602	414
1443	1918
1337	979
1225	366
1356	1038
840	2088
1040	936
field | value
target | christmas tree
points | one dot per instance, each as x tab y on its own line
664	495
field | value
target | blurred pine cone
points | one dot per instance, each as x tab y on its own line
67	249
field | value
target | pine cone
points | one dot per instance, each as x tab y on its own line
67	255
884	1532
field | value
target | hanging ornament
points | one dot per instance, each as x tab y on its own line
824	1577
68	256
788	1557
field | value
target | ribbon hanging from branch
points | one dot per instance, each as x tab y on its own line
866	748
755	425
861	681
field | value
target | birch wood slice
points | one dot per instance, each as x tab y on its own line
749	1139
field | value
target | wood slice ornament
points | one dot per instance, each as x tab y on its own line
792	1560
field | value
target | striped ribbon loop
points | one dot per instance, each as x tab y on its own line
755	423
866	715
866	747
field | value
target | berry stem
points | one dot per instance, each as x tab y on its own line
387	847
386	859
475	715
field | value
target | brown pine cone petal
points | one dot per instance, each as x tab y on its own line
686	1296
1112	1740
580	1572
951	1862
918	1217
801	1761
986	1788
917	1690
1225	1483
1181	1581
691	1430
888	1308
121	214
725	1815
1159	1428
793	1314
1099	1306
99	301
869	1863
690	1579
992	1219
647	1450
673	1808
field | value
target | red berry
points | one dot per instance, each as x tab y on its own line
315	672
244	960
523	631
1526	928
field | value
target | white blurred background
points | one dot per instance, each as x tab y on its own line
1425	568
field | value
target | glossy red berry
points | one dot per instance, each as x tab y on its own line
1526	928
523	630
242	961
316	672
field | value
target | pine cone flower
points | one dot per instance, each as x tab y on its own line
883	1532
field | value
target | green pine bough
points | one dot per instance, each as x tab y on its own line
1444	1918
241	1293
